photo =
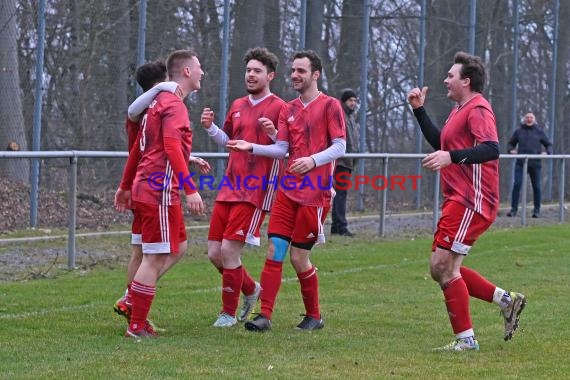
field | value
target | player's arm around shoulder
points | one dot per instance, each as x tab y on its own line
137	107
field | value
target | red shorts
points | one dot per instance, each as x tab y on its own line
238	221
303	224
136	234
162	228
458	228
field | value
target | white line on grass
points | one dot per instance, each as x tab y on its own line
64	309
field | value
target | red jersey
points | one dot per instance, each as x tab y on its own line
310	130
156	180
242	124
476	186
132	128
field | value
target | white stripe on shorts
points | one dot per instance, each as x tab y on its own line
458	245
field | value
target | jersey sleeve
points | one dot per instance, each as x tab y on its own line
132	128
482	125
513	141
283	125
130	169
335	120
228	127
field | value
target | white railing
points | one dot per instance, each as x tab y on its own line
75	155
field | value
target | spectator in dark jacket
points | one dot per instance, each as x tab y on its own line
344	165
530	139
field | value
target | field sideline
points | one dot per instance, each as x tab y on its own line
383	315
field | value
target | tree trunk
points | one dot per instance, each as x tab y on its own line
495	37
444	38
315	19
209	94
249	16
349	62
272	33
561	134
12	131
119	72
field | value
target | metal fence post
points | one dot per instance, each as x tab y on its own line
384	197
37	127
523	195
561	191
72	193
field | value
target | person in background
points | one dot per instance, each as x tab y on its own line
345	165
529	138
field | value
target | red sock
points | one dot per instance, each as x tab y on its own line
270	284
142	297
478	286
128	295
231	285
310	292
248	284
457	303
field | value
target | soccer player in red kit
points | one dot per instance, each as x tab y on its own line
467	152
147	75
311	128
242	202
165	145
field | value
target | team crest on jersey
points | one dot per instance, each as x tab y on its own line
237	114
291	119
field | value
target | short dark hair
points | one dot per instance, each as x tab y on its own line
312	55
150	73
175	59
264	56
471	67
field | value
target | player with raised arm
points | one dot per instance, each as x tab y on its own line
466	154
241	206
311	128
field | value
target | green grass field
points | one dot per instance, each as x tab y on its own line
383	316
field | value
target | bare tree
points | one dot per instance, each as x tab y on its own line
247	33
91	58
349	51
562	135
12	132
494	40
447	33
272	40
315	18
